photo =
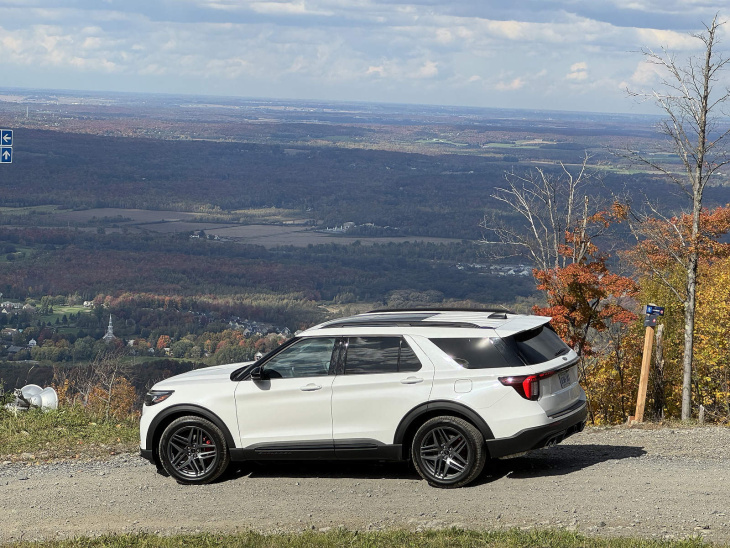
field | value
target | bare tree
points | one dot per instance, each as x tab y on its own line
696	135
550	204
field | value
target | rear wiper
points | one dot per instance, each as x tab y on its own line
561	352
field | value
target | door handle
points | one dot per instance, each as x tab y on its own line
311	387
411	380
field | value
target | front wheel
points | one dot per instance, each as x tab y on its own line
448	452
193	450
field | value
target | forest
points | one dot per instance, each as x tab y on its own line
132	212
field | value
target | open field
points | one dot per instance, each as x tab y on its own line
130	215
289	229
273	236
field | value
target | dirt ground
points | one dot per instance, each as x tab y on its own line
667	482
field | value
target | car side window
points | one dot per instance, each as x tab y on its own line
305	358
407	360
373	355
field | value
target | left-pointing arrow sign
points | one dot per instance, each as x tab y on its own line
6	137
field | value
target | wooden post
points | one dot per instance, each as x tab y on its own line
644	378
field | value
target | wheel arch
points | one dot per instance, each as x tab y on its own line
165	417
418	415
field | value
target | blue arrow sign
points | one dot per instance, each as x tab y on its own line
6	155
6	137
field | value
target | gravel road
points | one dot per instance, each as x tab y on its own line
668	482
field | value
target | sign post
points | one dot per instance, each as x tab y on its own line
653	312
6	146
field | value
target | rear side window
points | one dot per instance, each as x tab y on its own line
478	353
526	348
372	355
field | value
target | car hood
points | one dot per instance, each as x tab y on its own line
204	374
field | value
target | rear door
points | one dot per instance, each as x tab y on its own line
380	379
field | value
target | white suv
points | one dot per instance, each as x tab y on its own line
447	389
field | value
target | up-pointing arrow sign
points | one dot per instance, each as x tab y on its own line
6	155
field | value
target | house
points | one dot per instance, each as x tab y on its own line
32	343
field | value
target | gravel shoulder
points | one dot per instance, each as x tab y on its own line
663	482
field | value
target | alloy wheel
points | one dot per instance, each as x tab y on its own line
192	451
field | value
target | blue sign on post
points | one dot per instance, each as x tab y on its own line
6	146
6	137
654	310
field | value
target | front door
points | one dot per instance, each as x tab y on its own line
290	411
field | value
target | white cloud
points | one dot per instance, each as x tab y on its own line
444	36
348	48
512	85
667	38
379	70
578	72
428	70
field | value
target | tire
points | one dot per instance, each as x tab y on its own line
193	450
448	452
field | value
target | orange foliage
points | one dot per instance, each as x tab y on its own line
668	241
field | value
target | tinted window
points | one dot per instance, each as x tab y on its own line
372	355
379	355
537	345
478	353
305	358
408	360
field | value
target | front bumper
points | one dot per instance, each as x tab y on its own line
540	436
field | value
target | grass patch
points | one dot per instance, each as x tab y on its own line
60	311
21	253
455	538
43	210
66	433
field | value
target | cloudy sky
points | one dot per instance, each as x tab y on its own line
542	54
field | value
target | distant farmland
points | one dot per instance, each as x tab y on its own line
292	232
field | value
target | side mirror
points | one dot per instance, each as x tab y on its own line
258	374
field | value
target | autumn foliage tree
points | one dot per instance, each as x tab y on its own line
585	299
591	307
696	130
660	257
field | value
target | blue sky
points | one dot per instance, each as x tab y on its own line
541	54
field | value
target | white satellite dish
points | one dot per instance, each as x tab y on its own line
46	399
32	395
30	390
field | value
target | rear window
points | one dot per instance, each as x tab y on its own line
526	348
537	345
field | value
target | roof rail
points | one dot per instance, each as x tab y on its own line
402	323
441	309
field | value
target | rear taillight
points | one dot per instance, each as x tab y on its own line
527	386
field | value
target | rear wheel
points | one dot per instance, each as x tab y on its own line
193	450
448	452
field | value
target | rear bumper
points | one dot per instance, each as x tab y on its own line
540	436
